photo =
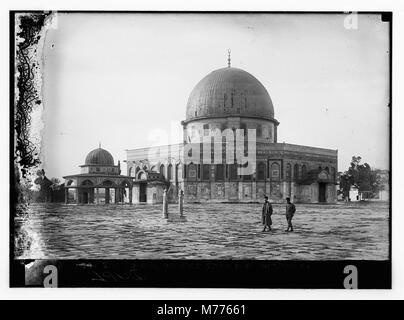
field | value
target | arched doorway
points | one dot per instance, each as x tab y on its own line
296	172
143	192
322	187
142	179
162	170
86	194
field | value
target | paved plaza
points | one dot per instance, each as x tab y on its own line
212	231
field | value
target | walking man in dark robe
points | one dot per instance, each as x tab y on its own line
266	215
290	212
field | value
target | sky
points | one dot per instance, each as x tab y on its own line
124	80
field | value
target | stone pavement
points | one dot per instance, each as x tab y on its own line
212	231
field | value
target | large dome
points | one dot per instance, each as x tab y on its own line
99	157
229	92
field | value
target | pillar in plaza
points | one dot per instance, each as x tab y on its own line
181	203
77	196
178	216
165	204
106	195
130	195
66	195
97	198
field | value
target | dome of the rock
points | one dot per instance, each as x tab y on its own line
229	92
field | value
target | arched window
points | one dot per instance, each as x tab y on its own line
145	168
219	172
233	171
296	172
177	166
275	174
206	172
162	170
327	169
153	169
261	171
191	171
170	172
137	169
288	171
304	172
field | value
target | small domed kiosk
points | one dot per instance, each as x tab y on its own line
100	181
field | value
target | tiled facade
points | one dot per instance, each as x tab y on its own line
305	174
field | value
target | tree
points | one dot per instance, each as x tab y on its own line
345	183
55	180
45	186
360	176
55	184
